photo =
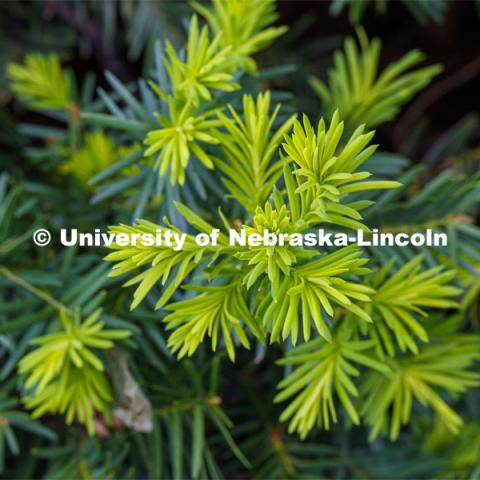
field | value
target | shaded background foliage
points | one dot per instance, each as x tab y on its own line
439	128
452	42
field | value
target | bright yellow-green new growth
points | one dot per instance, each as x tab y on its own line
219	312
446	366
407	292
275	260
245	26
182	135
208	66
362	94
322	371
41	82
65	374
327	169
97	153
250	144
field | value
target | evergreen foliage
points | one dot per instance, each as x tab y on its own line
41	82
360	93
244	26
66	375
226	361
424	12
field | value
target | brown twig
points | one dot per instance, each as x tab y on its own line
431	95
103	48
